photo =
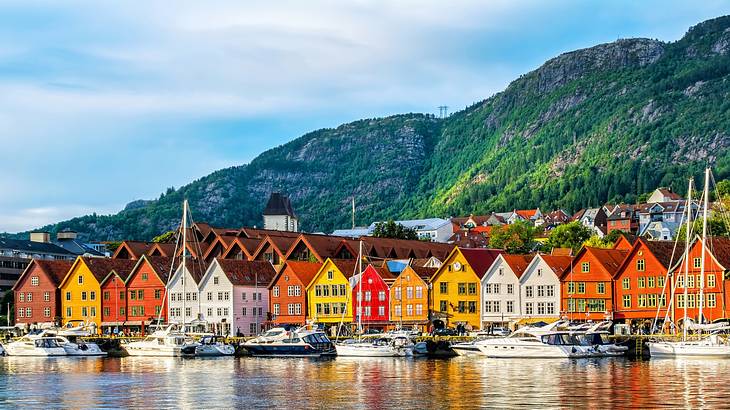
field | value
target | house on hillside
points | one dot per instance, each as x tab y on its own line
664	195
595	219
279	214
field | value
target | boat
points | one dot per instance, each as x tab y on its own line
301	342
75	328
41	346
71	344
543	344
165	343
381	346
434	349
213	346
463	348
715	344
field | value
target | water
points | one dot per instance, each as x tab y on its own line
360	383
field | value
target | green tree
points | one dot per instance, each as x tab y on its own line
390	229
716	226
570	235
596	241
112	246
5	301
518	237
168	236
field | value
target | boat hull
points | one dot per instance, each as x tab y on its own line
466	349
369	350
687	349
276	350
214	351
46	352
159	351
532	351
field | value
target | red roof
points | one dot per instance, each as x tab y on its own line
55	270
135	249
480	259
558	263
159	264
305	271
610	259
518	263
526	213
247	273
101	267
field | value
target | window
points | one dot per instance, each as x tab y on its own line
275	292
626	301
210	312
397	293
571	287
220	296
34	281
680	281
83	296
215	280
123	311
510	289
47	312
325	290
188	312
144	276
581	287
80	280
660	281
585	267
158	294
642	282
158	309
600	288
662	300
92	295
540	308
528	308
496	288
651	300
21	297
106	295
462	289
46	296
290	308
540	292
84	311
227	296
298	290
122	294
691	300
443	306
711	300
29	297
487	306
680	301
488	288
443	288
381	295
243	296
68	311
472	306
640	265
326	308
68	297
29	312
711	281
510	306
219	311
462	306
528	291
368	296
551	291
290	291
21	312
317	290
334	290
381	310
409	292
330	274
690	281
626	283
697	262
243	311
342	290
551	308
298	308
642	301
398	311
132	295
419	292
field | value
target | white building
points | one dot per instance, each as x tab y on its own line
540	286
279	214
183	295
501	290
432	229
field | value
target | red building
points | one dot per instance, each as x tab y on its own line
641	285
146	292
37	299
287	292
623	218
114	300
717	262
375	296
586	286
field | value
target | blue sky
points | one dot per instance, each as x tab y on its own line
102	103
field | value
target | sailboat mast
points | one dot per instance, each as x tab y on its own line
701	302
686	256
359	289
184	256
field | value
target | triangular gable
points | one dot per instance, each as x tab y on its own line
605	257
50	268
300	242
209	272
408	270
79	260
111	274
265	245
145	259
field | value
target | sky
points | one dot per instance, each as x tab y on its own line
102	103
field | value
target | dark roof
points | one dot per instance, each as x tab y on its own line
32	247
424	273
101	267
161	265
196	267
719	247
166	249
279	205
247	273
55	270
135	248
76	247
346	266
480	259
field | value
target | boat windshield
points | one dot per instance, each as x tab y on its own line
559	339
273	333
46	343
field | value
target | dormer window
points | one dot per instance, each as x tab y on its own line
585	267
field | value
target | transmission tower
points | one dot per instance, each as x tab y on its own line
443	111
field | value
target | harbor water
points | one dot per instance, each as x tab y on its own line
360	383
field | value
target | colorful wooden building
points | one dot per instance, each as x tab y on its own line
80	289
37	300
540	287
409	295
287	292
641	285
146	283
455	295
114	303
717	263
329	293
371	297
587	284
500	288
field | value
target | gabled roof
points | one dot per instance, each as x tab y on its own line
304	270
279	204
664	252
135	249
321	246
478	219
558	263
718	248
161	249
247	245
625	241
480	259
518	263
280	244
100	268
609	259
423	272
261	233
247	273
160	266
197	269
221	242
54	270
527	213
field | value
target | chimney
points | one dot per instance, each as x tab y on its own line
42	237
66	235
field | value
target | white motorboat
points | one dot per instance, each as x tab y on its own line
294	343
467	348
71	344
397	346
163	343
76	328
41	346
716	344
212	346
524	344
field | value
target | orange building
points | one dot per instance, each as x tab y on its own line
587	284
717	262
409	297
641	285
287	292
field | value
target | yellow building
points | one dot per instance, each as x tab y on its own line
81	290
329	294
456	286
409	297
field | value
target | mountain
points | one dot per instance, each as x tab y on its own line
600	124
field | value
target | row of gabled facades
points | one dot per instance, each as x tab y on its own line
637	279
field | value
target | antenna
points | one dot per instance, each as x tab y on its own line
353	212
443	111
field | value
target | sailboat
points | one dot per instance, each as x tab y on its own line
716	344
171	341
381	346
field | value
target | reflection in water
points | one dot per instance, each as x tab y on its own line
359	382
